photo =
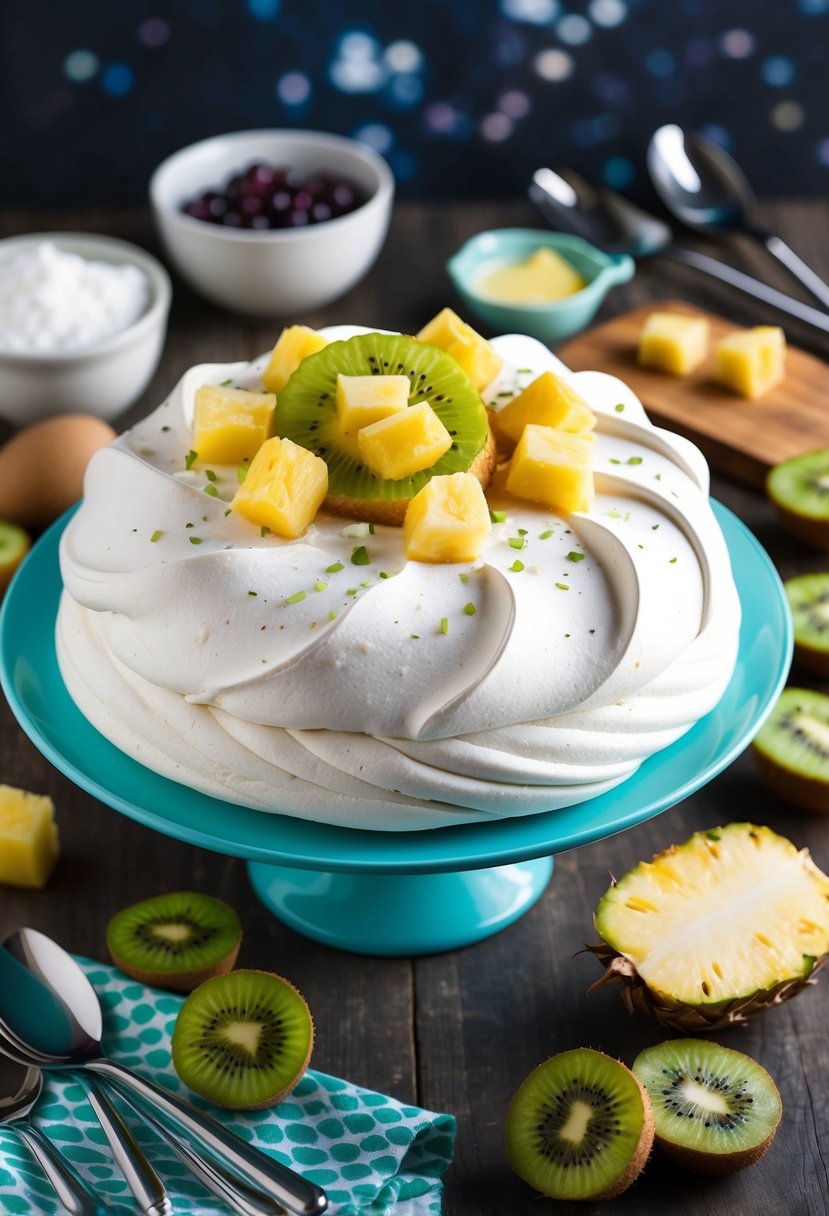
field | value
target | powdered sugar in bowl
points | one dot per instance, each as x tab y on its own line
82	324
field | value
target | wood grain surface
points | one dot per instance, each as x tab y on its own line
461	1030
739	437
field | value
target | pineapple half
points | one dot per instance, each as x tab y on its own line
713	931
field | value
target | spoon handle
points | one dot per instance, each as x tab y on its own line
748	285
144	1183
795	265
293	1192
73	1193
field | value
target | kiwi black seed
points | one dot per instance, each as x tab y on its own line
243	1040
580	1127
808	596
176	940
715	1110
791	749
307	413
799	489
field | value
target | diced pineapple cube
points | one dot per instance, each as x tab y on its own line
404	443
752	361
230	424
28	838
548	401
362	400
447	521
553	468
673	342
475	355
293	345
283	489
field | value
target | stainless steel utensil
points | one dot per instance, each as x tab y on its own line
145	1185
705	189
20	1086
612	223
50	1015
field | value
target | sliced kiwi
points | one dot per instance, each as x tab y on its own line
799	489
580	1127
808	596
243	1040
14	545
715	1110
306	413
176	940
792	748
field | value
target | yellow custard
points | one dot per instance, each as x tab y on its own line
542	279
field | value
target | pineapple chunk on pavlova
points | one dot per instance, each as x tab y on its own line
331	677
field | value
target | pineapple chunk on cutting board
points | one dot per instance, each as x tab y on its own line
28	837
673	342
753	361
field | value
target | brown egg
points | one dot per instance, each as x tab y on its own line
42	467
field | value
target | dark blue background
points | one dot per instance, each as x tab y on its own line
464	97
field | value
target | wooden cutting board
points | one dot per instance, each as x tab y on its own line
739	437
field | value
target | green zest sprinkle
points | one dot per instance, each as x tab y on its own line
189	525
371	529
416	636
157	535
507	393
227	512
165	428
673	559
522	531
253	593
359	556
264	530
225	383
525	371
210	475
575	557
517	566
444	624
634	459
351	591
546	535
654	527
517	542
464	578
296	598
332	616
332	569
319	585
211	490
194	540
620	409
366	582
470	609
190	459
562	587
497	517
241	473
384	574
612	460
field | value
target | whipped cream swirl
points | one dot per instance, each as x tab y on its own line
396	695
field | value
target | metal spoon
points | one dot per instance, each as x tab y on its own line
50	1015
20	1087
612	223
705	188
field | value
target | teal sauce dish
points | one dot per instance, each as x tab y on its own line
549	322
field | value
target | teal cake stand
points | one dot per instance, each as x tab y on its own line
389	893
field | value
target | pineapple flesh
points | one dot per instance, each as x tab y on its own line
553	468
230	424
752	361
404	443
363	400
731	917
673	342
28	838
447	521
475	355
293	345
283	489
548	401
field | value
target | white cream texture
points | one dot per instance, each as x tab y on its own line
52	300
352	705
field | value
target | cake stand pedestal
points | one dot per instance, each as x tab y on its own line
390	893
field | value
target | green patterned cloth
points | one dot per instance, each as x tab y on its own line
374	1156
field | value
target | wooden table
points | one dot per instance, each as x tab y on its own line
459	1031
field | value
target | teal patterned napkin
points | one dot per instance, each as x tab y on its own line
374	1155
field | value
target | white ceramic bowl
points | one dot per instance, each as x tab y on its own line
272	272
105	377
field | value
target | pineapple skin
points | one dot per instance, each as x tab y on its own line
699	1018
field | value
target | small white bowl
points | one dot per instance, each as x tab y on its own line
105	377
272	272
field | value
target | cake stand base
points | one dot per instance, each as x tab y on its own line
400	914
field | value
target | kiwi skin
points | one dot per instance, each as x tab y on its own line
174	980
809	527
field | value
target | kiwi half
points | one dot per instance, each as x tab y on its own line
14	545
580	1127
799	489
715	1110
243	1040
808	596
306	413
792	749
176	940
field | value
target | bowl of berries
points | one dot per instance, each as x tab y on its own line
272	223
